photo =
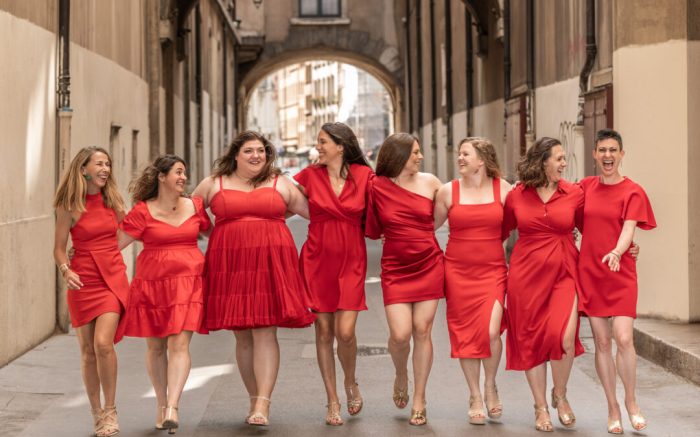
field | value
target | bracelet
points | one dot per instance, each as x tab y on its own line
616	254
63	268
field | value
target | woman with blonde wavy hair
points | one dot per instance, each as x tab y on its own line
89	208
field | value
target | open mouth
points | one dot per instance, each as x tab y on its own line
608	164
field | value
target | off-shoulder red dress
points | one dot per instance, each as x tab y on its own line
542	278
475	272
605	293
166	295
99	264
333	260
252	268
413	269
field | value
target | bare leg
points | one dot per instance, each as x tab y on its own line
157	366
266	361
179	365
423	316
400	319
493	403
537	379
244	360
105	328
345	322
604	364
626	360
88	364
325	337
561	369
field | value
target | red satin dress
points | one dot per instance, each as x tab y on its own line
475	272
413	269
542	279
252	268
99	263
333	260
605	293
166	295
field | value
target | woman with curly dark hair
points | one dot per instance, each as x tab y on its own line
542	279
252	274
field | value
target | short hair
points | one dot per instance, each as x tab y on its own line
607	133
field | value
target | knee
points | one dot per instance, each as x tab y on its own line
87	354
495	336
346	337
400	339
103	347
179	347
625	342
324	335
603	345
421	331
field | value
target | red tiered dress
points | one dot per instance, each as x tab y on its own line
166	295
252	268
475	272
605	293
333	260
412	263
99	264
542	279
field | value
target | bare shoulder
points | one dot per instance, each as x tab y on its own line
431	179
506	186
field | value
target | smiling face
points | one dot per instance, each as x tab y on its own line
556	163
608	157
251	158
175	179
328	150
414	159
468	160
97	171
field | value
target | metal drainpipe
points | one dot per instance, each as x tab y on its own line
409	81
199	155
419	63
470	71
591	52
433	93
153	57
224	80
529	105
506	50
449	150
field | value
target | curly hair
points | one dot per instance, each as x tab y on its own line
394	153
531	166
145	187
487	153
226	164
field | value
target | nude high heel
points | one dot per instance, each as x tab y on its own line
170	422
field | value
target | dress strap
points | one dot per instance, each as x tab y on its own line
497	190
455	192
274	182
221	183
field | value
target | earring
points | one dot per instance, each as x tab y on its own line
87	177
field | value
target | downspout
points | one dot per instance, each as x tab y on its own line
225	87
449	150
530	75
433	93
63	135
470	71
199	146
506	50
591	52
419	64
153	57
409	81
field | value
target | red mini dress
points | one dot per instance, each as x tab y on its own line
605	293
475	272
413	268
252	268
166	295
542	279
333	260
99	263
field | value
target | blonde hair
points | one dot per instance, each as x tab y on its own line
71	192
487	153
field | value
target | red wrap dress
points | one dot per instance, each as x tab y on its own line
333	260
542	279
252	268
475	272
413	269
166	295
99	264
605	293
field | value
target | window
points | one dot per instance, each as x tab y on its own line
319	8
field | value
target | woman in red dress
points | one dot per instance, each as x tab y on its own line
252	268
413	273
614	207
475	270
333	260
166	296
542	280
89	207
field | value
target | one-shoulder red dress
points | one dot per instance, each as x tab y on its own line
166	295
475	272
605	293
99	264
333	260
542	279
252	267
413	269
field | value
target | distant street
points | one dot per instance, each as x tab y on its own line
41	393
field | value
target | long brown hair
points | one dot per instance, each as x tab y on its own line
394	153
487	153
531	166
145	187
226	164
72	189
342	135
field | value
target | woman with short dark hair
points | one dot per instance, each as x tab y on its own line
401	209
542	278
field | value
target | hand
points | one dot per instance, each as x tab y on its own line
71	253
612	258
634	251
72	280
382	238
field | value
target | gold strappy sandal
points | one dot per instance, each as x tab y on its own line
544	425
333	414
476	411
110	422
566	419
355	403
494	407
418	417
400	396
258	418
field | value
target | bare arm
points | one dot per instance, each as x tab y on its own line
124	239
612	258
203	190
442	204
63	224
297	203
505	188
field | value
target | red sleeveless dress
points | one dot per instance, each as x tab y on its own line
99	264
252	268
166	295
412	262
475	272
333	260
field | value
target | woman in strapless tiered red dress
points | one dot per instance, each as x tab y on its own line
252	267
